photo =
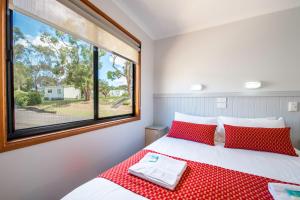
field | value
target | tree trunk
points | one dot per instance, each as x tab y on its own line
87	94
128	77
35	85
129	86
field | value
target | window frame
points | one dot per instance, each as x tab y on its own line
24	137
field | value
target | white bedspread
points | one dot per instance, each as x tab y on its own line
271	165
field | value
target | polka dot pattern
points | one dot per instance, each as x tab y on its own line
199	181
202	133
276	140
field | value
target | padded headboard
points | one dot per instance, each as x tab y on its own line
259	104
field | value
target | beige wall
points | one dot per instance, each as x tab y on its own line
265	48
51	170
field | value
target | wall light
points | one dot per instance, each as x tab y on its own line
253	84
196	87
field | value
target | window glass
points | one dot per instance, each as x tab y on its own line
69	69
53	75
115	85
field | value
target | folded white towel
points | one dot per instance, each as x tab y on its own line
278	191
159	169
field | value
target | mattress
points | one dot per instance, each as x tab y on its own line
270	165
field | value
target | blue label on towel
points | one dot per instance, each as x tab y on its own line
293	193
153	158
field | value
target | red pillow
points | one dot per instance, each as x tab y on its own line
276	140
202	133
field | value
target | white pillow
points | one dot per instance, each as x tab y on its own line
269	122
195	119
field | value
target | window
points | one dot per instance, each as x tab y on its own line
67	69
45	57
115	85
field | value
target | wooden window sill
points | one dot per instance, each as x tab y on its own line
28	141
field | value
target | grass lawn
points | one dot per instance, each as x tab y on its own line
84	109
78	108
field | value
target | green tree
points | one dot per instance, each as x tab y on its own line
19	47
124	71
60	59
31	61
22	79
104	88
57	43
41	62
80	69
74	61
20	76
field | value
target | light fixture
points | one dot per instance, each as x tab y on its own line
253	84
196	87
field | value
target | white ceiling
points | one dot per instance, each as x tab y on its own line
165	18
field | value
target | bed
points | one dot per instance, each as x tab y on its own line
270	165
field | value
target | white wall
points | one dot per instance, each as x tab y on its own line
71	93
54	92
265	48
51	170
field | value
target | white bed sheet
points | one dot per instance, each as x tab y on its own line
271	165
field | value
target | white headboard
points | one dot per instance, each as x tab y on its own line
258	104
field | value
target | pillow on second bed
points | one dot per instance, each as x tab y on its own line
202	133
276	140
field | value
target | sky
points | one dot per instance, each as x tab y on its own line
32	29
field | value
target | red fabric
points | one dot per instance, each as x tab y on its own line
202	133
276	140
199	181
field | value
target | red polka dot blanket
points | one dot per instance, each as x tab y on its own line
199	181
